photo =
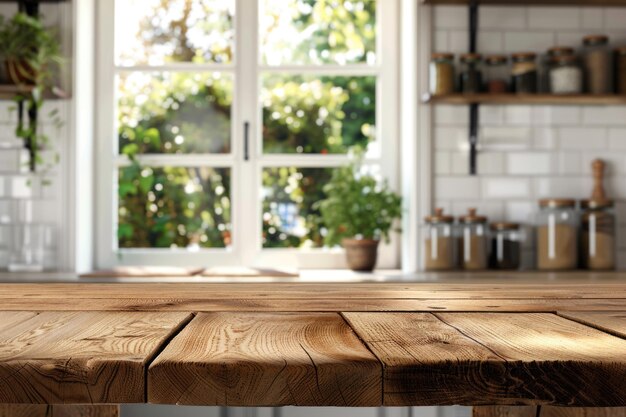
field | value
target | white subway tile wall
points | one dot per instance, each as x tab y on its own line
22	197
528	152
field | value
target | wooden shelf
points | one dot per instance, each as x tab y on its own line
533	2
545	99
10	91
33	1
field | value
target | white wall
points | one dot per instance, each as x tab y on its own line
527	152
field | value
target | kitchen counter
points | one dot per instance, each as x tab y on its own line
539	340
333	276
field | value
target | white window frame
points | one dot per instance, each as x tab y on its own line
245	175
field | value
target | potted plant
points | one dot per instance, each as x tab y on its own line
32	54
358	212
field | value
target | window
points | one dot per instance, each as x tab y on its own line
221	120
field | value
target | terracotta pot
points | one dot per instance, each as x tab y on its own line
20	72
361	254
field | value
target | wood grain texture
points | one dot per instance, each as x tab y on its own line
242	359
426	362
547	411
593	3
472	289
521	99
10	319
506	411
480	359
83	357
313	305
43	410
611	322
549	359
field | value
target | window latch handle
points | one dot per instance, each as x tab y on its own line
246	140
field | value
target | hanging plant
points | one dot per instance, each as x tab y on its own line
32	57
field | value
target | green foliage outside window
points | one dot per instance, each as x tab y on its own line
189	112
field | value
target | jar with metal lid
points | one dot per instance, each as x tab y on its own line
620	70
547	62
524	73
566	75
470	78
557	227
497	74
438	242
598	244
598	65
473	242
441	75
506	246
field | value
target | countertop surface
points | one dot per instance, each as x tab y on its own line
330	276
471	339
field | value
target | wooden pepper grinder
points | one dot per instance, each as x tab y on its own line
598	167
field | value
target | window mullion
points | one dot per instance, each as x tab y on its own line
106	143
177	67
246	206
345	70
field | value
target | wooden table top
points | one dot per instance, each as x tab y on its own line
356	344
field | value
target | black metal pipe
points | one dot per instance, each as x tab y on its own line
473	26
32	145
473	138
473	117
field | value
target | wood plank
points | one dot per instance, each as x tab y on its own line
547	411
466	290
592	3
313	305
493	358
425	361
505	411
519	99
84	357
44	410
242	359
10	319
611	322
555	356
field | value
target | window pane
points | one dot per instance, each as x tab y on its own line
156	32
174	112
308	114
289	219
318	31
174	207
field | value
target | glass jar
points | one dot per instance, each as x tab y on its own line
597	63
598	244
548	62
524	73
473	242
557	227
470	78
620	70
438	242
441	74
506	246
497	74
566	75
28	246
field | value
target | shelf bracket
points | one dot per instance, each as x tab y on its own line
473	114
